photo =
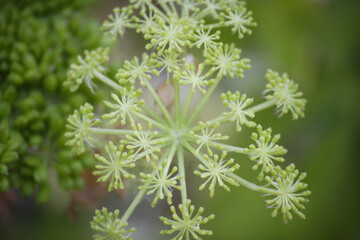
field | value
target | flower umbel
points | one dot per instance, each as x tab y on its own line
144	142
195	78
266	151
86	69
162	183
134	70
187	225
114	167
217	170
161	133
226	60
240	21
285	93
291	194
110	226
117	24
208	137
238	103
125	106
80	124
204	38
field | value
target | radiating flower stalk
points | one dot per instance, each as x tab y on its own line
159	137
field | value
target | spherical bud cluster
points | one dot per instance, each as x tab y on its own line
290	194
109	226
285	92
38	41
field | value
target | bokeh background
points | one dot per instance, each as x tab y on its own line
318	43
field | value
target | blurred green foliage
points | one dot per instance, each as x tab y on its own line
318	44
38	40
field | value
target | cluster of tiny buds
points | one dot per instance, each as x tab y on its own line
291	192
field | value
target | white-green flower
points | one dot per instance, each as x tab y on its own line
213	7
110	226
285	93
117	23
169	62
240	20
226	61
146	22
208	137
291	194
143	142
238	104
195	77
135	70
140	3
170	36
79	126
86	68
205	39
216	170
266	151
125	106
187	225
162	184
113	167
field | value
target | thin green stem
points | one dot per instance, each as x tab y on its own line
132	206
150	120
153	114
172	5
202	103
229	148
106	131
202	14
186	107
193	151
167	139
159	102
253	186
181	166
152	6
214	25
262	106
221	146
177	101
170	157
221	120
141	193
107	81
165	8
183	9
143	154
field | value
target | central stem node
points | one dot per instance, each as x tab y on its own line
178	134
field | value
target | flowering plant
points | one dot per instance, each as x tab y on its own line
160	136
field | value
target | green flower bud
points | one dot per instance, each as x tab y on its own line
41	173
5	110
26	188
4	184
79	182
32	161
43	194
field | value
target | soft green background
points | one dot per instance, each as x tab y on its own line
318	43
